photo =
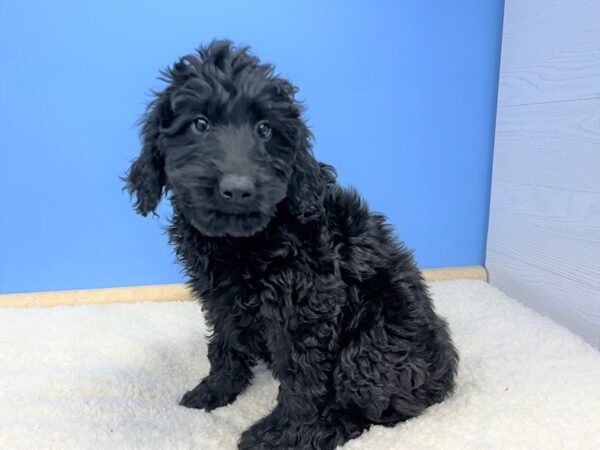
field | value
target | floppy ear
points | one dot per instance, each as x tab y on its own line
146	177
309	181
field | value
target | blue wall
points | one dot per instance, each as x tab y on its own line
401	98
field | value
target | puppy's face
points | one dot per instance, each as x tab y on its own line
225	138
229	148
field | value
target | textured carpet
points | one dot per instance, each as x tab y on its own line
111	376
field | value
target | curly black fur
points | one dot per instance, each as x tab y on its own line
301	275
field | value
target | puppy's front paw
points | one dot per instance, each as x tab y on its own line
206	396
268	433
278	432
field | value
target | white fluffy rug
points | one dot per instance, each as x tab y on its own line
111	377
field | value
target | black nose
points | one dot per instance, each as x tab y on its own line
237	189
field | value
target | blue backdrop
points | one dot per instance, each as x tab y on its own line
401	98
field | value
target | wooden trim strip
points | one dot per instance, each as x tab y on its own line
455	273
174	292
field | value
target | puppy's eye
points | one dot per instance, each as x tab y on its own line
263	129
201	125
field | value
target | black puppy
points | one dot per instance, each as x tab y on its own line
290	268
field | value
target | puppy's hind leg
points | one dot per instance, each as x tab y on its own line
230	374
390	379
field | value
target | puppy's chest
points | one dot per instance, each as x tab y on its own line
274	272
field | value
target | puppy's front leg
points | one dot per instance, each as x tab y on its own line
302	360
229	375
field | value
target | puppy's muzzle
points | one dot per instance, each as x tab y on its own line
237	189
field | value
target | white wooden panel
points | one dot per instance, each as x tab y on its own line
544	249
555	230
555	144
548	293
544	234
559	211
550	51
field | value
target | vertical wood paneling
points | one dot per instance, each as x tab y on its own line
550	144
545	240
550	51
544	232
548	293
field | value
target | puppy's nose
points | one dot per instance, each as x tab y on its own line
237	189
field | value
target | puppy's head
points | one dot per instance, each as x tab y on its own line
226	138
